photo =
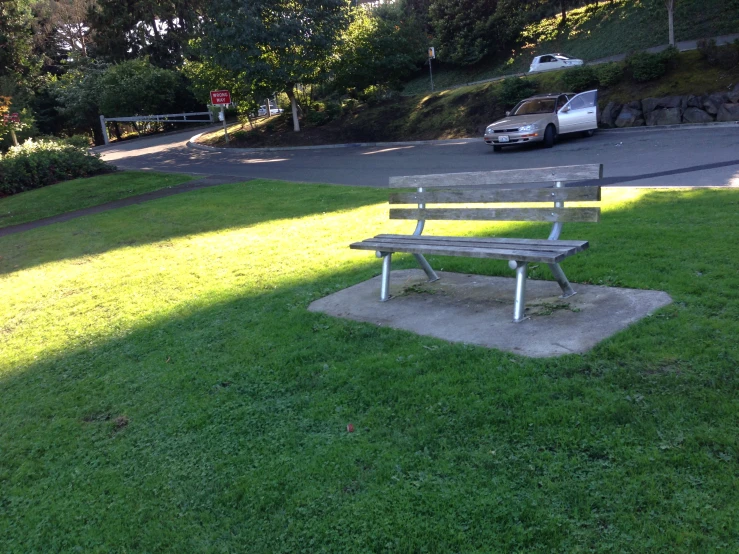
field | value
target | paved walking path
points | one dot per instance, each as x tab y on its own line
196	184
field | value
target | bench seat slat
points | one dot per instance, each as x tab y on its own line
572	194
551	247
501	177
498	240
484	249
552	215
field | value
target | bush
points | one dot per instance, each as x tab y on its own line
38	164
644	66
514	89
609	74
579	79
375	94
350	105
725	57
321	113
78	141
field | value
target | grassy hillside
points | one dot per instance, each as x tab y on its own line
465	111
595	32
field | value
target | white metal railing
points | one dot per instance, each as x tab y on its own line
159	118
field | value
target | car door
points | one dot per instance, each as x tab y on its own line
580	113
547	63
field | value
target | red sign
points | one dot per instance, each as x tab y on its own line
220	97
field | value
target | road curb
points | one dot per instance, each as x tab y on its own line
192	144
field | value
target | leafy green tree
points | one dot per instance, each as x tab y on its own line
157	29
466	31
275	44
136	87
380	47
17	58
77	94
64	27
204	76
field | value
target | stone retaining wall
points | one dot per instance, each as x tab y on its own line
673	110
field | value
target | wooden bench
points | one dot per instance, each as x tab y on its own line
485	188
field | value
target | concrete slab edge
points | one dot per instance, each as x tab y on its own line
193	144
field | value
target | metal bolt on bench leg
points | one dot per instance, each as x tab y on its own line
519	305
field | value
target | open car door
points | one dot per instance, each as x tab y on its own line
580	113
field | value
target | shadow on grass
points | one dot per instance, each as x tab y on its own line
225	424
225	207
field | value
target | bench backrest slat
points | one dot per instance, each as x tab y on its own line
554	215
503	177
573	194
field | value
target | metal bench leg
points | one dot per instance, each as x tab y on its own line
385	286
519	305
430	273
564	284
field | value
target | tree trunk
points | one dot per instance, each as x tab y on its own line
97	135
670	19
563	4
293	104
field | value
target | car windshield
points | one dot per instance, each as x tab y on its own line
562	57
536	105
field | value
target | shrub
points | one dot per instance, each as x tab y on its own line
609	74
725	57
333	110
579	79
645	66
375	94
671	56
317	118
514	89
321	113
38	164
350	105
78	141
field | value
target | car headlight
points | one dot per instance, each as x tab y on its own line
489	130
527	128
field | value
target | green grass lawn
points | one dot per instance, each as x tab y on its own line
163	388
82	193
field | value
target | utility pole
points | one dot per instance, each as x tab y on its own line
432	55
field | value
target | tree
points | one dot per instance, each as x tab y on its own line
77	93
65	24
157	29
136	87
275	44
17	58
466	31
380	47
670	5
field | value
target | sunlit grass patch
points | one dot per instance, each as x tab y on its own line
164	388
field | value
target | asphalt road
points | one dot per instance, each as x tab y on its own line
697	156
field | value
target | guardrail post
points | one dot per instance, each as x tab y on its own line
105	131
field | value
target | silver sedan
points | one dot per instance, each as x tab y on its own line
543	117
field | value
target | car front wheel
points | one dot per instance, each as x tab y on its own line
549	136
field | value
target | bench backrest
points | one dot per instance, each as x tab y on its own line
485	187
